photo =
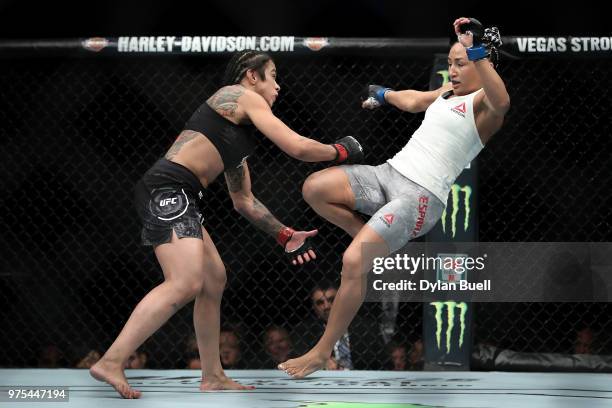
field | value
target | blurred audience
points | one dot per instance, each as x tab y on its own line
137	360
360	347
584	341
416	358
50	356
278	346
397	357
87	360
229	349
191	355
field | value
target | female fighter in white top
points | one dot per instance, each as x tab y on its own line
406	195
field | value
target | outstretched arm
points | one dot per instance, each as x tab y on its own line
408	100
246	204
415	101
346	150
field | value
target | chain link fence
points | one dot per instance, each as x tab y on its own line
545	177
77	133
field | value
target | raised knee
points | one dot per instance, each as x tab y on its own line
313	188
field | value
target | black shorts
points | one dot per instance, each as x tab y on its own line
167	198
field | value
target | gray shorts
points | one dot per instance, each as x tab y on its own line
401	210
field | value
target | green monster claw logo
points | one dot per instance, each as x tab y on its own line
450	321
445	76
455	190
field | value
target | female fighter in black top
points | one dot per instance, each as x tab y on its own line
216	139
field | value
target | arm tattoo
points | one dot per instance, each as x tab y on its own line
181	140
225	100
234	177
261	217
255	211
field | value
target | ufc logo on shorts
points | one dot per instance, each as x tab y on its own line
167	201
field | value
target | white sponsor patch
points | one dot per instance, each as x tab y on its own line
204	44
563	44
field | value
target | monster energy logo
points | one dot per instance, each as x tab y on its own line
451	306
444	75
456	189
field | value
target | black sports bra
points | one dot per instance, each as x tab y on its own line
234	142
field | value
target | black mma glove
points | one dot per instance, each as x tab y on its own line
348	150
483	39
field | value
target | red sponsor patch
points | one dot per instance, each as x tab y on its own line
460	108
421	218
316	43
388	218
95	44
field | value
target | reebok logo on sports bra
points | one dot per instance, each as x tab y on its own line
460	109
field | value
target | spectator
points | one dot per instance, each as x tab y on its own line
229	349
583	344
50	356
416	356
277	345
191	356
359	348
137	360
194	363
87	359
397	356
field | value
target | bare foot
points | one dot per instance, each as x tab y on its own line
302	366
214	383
112	374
